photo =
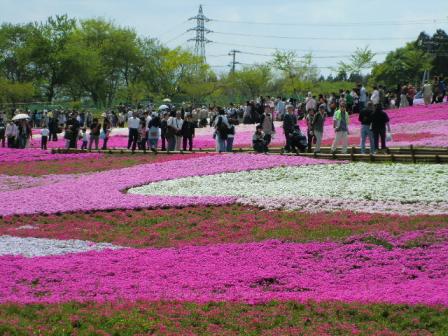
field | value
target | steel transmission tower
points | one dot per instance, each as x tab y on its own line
200	39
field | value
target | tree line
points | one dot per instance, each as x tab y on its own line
96	60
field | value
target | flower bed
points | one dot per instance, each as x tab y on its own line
9	156
105	190
162	269
363	187
77	165
38	247
204	225
379	269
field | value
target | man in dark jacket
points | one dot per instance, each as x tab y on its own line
188	133
365	118
380	121
289	121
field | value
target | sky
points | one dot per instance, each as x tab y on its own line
330	29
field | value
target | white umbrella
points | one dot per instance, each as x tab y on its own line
21	116
167	100
163	107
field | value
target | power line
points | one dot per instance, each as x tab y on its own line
172	29
317	38
176	37
282	49
342	24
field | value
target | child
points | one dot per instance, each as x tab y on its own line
84	138
258	140
44	137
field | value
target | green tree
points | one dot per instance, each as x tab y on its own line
52	64
360	60
402	66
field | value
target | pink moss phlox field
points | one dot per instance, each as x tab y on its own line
8	155
253	272
8	183
431	120
105	190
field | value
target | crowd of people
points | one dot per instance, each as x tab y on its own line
174	127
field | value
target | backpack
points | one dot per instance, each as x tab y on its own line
222	129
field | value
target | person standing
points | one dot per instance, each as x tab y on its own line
280	108
164	130
142	135
54	128
404	102
380	122
84	138
267	124
44	137
365	118
222	127
95	129
231	135
2	132
310	131
362	97
375	98
427	93
106	132
188	128
153	132
173	134
340	124
289	121
11	133
133	124
318	126
179	123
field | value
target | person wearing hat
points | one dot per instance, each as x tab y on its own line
318	126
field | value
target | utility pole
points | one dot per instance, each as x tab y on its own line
200	29
234	62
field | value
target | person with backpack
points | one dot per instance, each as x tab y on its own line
222	126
